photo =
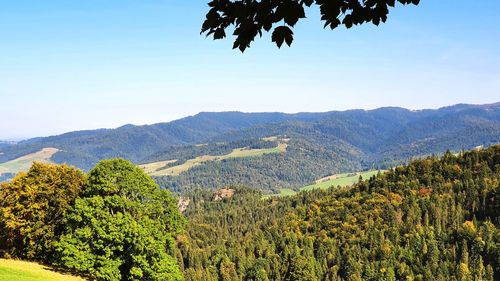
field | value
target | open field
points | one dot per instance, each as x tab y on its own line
24	163
244	152
340	179
283	192
14	270
177	170
154	169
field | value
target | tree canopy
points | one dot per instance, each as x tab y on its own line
32	208
251	17
122	227
434	219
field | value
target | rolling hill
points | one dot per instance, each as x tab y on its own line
320	144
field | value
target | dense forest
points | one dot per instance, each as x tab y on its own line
435	219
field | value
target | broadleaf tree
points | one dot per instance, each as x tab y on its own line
122	227
32	209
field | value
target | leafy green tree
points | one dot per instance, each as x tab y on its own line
122	227
32	208
251	17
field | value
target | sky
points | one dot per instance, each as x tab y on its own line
85	64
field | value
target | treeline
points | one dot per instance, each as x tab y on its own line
435	219
113	223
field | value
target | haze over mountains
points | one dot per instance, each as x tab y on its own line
341	141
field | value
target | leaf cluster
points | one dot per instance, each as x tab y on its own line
251	17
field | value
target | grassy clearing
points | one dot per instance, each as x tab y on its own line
177	170
24	163
154	169
11	270
245	152
283	192
338	180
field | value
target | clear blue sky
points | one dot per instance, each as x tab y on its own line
82	64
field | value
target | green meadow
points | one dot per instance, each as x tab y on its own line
339	180
15	270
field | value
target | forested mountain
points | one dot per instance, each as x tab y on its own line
85	148
435	219
342	141
5	143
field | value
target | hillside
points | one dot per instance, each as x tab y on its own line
342	141
28	271
435	219
85	148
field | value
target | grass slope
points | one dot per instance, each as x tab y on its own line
24	163
11	270
155	168
340	179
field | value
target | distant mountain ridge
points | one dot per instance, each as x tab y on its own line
6	143
361	138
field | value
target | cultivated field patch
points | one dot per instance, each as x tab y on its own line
24	163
